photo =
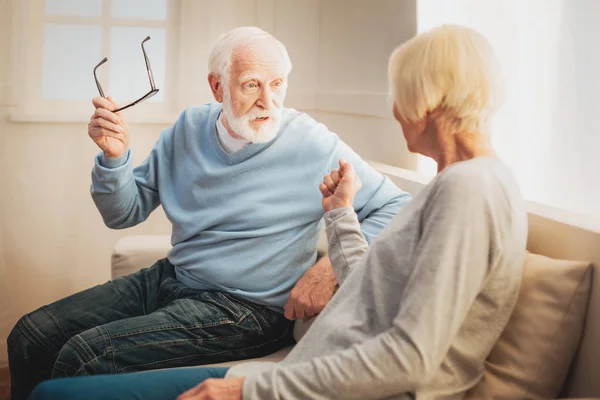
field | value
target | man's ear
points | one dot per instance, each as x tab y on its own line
216	86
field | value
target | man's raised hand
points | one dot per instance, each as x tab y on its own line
108	129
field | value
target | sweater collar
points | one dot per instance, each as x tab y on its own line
239	156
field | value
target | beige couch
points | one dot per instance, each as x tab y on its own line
558	320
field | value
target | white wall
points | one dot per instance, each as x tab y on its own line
52	239
356	38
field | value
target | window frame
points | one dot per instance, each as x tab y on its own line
28	105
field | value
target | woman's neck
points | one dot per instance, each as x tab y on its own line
447	147
461	147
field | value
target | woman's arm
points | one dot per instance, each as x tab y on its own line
347	243
450	264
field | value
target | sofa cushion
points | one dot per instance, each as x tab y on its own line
132	253
532	357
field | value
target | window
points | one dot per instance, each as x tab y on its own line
60	41
548	131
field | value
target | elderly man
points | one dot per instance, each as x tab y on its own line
239	182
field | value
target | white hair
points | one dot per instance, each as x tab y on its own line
451	68
219	62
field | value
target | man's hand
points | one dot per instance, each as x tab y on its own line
339	187
312	292
216	389
108	129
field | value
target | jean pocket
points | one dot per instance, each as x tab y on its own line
168	291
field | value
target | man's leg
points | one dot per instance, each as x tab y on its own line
153	385
199	327
36	340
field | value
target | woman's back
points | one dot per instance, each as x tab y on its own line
429	299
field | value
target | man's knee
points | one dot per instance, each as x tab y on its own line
33	335
88	353
16	338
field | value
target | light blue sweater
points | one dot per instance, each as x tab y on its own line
245	223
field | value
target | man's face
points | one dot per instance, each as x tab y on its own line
253	96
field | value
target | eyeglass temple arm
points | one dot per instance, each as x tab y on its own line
105	59
150	76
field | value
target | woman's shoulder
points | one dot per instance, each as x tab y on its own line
486	176
482	183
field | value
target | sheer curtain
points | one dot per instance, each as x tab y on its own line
548	130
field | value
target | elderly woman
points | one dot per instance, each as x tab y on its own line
417	313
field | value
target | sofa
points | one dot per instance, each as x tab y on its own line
550	347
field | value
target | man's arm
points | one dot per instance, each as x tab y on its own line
312	292
451	265
125	196
376	204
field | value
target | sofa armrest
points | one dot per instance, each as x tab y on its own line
132	253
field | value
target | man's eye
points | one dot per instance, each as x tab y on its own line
251	85
277	83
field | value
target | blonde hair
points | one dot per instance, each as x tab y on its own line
219	61
450	68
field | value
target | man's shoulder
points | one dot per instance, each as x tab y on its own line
305	127
200	112
293	118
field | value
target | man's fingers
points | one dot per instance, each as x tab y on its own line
101	102
300	311
106	125
115	105
310	312
99	132
295	307
107	115
289	311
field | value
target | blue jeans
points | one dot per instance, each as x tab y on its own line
153	385
143	321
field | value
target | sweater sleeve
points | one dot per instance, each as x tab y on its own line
125	196
347	244
450	265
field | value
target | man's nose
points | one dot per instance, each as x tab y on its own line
266	98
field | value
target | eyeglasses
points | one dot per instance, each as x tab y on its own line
153	89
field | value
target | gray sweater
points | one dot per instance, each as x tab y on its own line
420	310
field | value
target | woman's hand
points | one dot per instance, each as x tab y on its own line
216	389
339	187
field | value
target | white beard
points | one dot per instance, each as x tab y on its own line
241	125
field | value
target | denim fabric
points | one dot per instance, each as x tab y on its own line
143	321
152	385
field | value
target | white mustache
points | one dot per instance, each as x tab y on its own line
258	113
